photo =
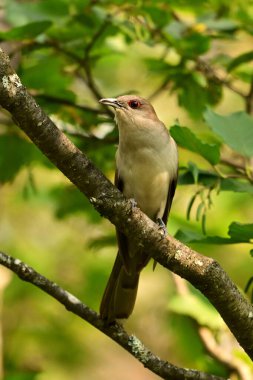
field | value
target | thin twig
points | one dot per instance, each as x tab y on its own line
163	86
66	102
249	99
224	355
115	331
83	63
97	35
206	69
87	136
233	163
203	272
210	73
86	63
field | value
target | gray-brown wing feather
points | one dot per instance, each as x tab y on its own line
121	289
121	238
171	192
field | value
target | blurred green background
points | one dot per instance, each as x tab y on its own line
193	60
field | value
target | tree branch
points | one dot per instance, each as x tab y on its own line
249	99
203	272
83	63
114	331
66	102
213	341
229	359
209	72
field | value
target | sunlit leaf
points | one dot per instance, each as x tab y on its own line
188	236
198	308
27	31
68	200
236	130
15	154
221	25
158	15
188	140
25	12
236	185
240	231
45	71
187	176
242	58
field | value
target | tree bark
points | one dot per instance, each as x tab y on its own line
115	331
203	272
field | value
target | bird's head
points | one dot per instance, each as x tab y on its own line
131	108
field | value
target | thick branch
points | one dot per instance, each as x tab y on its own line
115	331
203	272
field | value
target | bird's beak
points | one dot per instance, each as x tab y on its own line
113	102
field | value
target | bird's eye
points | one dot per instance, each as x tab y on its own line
134	104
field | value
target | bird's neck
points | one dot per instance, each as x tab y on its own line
140	136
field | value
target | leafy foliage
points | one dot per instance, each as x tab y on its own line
186	139
238	233
236	130
69	54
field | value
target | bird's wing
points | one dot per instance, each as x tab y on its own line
171	192
121	238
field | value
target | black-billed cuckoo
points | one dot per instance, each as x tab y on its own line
146	170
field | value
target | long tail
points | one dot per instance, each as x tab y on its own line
120	293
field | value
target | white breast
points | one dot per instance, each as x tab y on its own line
146	172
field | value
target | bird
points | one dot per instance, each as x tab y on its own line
146	172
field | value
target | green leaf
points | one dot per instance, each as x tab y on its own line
188	236
188	177
69	200
198	308
102	242
194	170
236	130
189	207
193	44
15	154
243	58
22	376
45	71
158	66
188	140
236	185
241	232
222	24
194	91
175	29
19	13
158	16
27	31
238	233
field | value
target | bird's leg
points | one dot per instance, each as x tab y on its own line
133	203
162	226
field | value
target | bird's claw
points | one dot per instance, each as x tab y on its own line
162	226
133	203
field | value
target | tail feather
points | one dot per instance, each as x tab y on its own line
120	293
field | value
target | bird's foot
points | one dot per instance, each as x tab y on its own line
133	203
162	226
